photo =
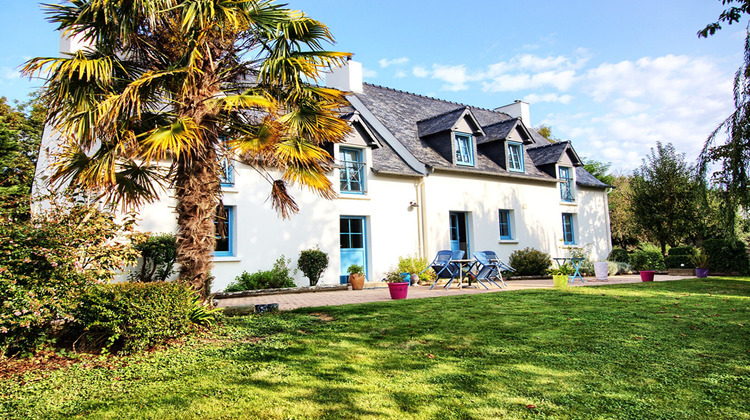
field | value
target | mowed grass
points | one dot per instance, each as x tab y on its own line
677	349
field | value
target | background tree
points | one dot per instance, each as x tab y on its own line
731	15
546	132
165	81
599	170
625	231
665	195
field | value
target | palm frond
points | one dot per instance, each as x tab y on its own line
181	138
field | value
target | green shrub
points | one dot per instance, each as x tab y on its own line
416	265
680	257
619	255
130	317
726	256
158	256
647	260
278	277
530	262
47	263
312	262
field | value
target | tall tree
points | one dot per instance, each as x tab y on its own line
599	170
665	195
731	15
165	81
625	231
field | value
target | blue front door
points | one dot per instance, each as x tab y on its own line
353	244
459	234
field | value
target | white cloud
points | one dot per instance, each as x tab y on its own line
455	77
9	73
547	97
420	72
399	74
368	73
384	62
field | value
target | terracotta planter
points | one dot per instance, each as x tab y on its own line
398	290
357	281
701	273
647	275
560	280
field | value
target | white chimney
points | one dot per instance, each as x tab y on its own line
69	45
517	109
347	78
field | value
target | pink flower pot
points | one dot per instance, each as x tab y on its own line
701	273
647	275
398	290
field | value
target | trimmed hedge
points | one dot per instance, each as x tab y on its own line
130	317
276	278
680	257
727	256
530	262
619	255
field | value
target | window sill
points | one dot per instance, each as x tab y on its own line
569	203
353	196
229	190
570	246
227	259
507	241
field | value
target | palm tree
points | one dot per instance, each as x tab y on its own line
164	81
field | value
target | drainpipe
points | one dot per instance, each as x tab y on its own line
419	187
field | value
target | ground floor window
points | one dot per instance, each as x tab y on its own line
568	221
506	231
224	224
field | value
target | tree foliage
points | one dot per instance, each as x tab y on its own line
665	197
731	15
165	81
599	170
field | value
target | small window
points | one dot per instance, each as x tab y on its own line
506	232
352	171
227	173
464	150
515	157
569	237
566	186
224	225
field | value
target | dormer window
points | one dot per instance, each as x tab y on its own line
464	149
226	177
515	157
352	171
565	174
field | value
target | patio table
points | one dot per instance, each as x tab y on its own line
576	262
464	263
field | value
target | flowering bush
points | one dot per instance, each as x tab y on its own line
46	263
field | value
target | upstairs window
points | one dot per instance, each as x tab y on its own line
565	174
352	172
569	237
515	157
506	232
226	177
464	150
224	231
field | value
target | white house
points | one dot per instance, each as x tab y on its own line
416	175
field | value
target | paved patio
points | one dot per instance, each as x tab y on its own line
380	294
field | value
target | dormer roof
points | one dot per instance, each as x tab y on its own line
448	121
552	153
502	130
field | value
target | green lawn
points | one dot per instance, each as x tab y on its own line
677	349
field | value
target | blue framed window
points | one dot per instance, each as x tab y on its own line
515	157
565	174
505	224
464	149
227	173
224	231
569	237
352	172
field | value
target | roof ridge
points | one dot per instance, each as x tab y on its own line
443	113
551	144
502	122
435	99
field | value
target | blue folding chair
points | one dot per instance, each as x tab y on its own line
486	270
444	268
501	266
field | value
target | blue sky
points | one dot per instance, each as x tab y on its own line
613	77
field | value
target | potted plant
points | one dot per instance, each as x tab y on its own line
356	276
701	264
647	275
561	275
396	285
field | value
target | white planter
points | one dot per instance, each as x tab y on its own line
601	269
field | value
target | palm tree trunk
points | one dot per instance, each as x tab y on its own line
197	189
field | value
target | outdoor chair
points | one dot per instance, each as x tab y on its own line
444	267
486	270
501	266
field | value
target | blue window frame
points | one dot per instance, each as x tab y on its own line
515	157
352	172
464	149
569	237
227	173
224	231
566	186
505	225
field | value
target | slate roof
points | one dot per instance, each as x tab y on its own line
408	117
548	154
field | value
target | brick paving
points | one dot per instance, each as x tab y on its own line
380	294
